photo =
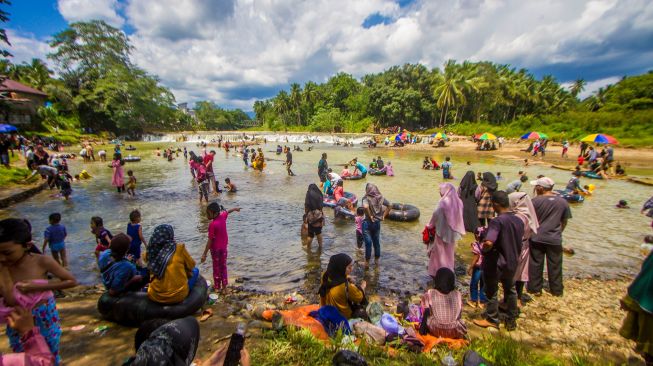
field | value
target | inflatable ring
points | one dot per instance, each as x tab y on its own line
130	148
571	197
403	212
353	177
134	308
343	212
377	172
132	159
591	175
329	201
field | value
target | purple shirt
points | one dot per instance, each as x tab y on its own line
505	232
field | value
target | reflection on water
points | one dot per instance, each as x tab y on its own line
265	251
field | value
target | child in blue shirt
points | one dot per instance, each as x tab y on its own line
119	275
55	235
135	232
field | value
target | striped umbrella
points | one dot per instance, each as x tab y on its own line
534	136
600	138
439	135
487	136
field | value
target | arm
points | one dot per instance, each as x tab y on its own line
235	209
140	234
206	250
45	243
563	224
386	212
37	352
67	280
473	264
6	286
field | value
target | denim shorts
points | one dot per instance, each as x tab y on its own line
57	247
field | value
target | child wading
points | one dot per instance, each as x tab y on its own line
360	217
131	183
24	283
218	242
55	235
102	236
135	232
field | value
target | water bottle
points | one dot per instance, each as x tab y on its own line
448	360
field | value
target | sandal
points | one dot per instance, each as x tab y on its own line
206	314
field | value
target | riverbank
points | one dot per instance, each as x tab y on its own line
580	328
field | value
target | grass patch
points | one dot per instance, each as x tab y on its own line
299	347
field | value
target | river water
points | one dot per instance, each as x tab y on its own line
265	252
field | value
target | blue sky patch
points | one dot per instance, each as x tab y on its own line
376	19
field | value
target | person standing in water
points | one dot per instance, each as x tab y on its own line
373	203
322	168
289	161
448	224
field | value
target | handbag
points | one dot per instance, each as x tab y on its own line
428	235
357	310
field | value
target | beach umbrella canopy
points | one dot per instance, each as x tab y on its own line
5	128
487	136
439	135
534	136
600	138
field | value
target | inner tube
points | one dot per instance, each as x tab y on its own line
376	172
353	177
133	308
329	201
592	175
132	159
571	197
403	212
130	148
343	212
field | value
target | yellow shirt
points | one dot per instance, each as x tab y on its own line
173	287
337	297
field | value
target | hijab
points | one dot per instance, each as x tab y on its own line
449	223
172	344
314	198
641	290
160	249
489	181
374	197
468	185
336	273
445	280
521	203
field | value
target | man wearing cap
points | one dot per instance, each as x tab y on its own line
552	213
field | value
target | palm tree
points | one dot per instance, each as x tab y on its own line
296	100
36	73
281	105
577	87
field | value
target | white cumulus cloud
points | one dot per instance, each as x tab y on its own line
83	10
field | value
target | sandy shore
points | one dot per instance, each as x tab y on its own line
584	322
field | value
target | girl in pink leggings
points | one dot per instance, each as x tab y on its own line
218	242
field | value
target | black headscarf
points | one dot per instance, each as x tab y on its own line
466	193
335	274
445	280
314	198
490	182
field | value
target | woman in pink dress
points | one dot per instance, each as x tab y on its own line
118	180
447	220
521	204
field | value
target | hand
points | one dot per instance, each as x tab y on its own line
487	244
21	320
244	357
237	209
469	270
203	259
26	286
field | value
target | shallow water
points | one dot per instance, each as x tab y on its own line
265	251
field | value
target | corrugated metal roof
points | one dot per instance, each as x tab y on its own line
13	86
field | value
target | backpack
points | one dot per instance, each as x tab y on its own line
315	218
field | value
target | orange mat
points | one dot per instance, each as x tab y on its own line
299	317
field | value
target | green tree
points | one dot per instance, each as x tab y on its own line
577	87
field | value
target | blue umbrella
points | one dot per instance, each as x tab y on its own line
5	128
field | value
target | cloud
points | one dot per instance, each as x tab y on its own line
83	10
236	51
25	47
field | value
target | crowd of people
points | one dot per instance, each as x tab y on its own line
515	236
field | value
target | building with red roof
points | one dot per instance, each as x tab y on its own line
19	102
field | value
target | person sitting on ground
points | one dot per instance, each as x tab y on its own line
229	186
119	275
620	170
337	289
172	269
442	308
345	171
166	342
622	204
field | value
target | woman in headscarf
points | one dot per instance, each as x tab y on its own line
447	220
172	268
313	215
442	308
336	289
638	303
483	194
373	204
466	192
166	342
521	203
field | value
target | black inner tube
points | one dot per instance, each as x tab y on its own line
403	212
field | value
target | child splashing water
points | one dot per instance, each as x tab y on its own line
218	242
24	283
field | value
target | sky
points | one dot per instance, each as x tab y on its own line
234	52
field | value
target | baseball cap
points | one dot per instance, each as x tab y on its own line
543	182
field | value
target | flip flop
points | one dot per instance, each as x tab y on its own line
206	314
